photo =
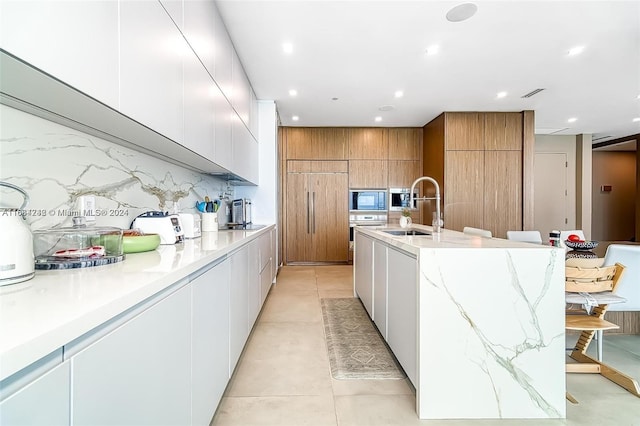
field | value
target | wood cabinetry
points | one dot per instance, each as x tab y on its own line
368	144
316	217
308	143
405	143
374	158
480	160
368	173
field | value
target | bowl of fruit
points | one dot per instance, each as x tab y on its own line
574	242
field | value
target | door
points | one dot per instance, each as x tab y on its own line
330	217
550	191
298	218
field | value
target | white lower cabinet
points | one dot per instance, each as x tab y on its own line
140	373
364	271
402	299
380	286
254	292
210	341
238	305
45	401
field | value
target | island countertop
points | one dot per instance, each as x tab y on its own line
477	323
43	314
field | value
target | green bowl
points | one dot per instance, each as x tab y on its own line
140	243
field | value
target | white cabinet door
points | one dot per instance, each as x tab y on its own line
199	30
74	41
274	255
199	105
380	286
241	92
45	401
402	302
363	273
265	282
223	51
238	305
151	51
140	373
210	341
245	152
254	292
223	119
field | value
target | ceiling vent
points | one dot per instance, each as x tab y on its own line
531	93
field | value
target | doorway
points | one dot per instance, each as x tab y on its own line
550	192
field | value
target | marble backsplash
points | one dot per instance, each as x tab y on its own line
55	165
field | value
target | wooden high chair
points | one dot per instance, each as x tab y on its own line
595	285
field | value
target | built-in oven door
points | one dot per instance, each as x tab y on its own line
399	198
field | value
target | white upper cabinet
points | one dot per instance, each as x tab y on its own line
224	117
241	90
151	52
223	52
245	152
74	41
175	11
199	30
199	109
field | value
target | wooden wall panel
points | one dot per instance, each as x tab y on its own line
402	173
528	156
463	193
368	143
503	131
502	192
405	143
464	131
298	143
330	143
432	162
368	174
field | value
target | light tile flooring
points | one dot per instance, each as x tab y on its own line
283	377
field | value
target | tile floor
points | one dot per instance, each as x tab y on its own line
283	377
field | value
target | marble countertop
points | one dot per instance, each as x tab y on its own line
447	239
43	314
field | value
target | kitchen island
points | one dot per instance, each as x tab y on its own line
157	335
476	323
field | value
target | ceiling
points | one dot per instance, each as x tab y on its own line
362	52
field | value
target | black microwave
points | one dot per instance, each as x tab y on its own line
368	199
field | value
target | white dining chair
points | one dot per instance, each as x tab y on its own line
477	231
629	285
525	236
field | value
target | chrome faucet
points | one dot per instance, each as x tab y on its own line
436	223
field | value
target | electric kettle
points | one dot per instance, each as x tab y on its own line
17	263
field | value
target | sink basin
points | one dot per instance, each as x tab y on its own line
406	232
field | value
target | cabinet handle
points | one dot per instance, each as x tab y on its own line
314	212
308	214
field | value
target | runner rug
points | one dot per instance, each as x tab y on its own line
356	349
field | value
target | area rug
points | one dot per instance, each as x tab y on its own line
356	349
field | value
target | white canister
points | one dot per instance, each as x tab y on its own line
209	222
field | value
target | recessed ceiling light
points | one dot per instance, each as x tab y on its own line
636	120
293	92
462	12
378	119
287	48
399	94
575	50
295	118
501	95
432	50
638	97
572	120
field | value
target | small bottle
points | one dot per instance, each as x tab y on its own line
554	238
